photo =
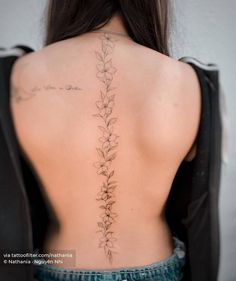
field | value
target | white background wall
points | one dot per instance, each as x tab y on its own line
204	29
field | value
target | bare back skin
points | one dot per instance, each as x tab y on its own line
105	124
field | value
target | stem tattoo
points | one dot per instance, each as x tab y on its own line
107	150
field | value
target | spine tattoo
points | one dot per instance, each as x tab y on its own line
107	150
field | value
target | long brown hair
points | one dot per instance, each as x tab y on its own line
146	21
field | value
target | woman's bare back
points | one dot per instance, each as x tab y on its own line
105	124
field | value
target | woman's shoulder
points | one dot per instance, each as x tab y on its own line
177	71
28	66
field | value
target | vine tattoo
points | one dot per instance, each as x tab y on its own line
107	150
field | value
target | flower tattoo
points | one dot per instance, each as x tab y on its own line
109	142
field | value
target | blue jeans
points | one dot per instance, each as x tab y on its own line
169	269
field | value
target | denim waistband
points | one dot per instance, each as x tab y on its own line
169	269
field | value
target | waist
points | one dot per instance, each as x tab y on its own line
137	243
168	269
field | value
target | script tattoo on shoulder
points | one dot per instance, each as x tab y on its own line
108	145
19	93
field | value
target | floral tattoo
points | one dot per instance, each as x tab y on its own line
107	149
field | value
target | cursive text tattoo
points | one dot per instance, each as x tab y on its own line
19	94
107	150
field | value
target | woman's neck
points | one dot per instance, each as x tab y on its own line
116	25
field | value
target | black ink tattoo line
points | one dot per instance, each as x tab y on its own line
107	151
19	94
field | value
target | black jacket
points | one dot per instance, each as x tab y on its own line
191	210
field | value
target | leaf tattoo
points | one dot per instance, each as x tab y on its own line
108	140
